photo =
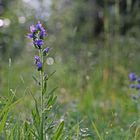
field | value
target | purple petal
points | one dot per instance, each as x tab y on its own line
32	28
30	35
138	86
39	66
42	32
132	76
46	50
39	43
39	25
37	59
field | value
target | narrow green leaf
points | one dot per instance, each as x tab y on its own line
52	91
6	107
35	135
77	131
97	132
36	80
4	113
36	117
59	130
51	75
3	121
27	132
35	122
50	126
50	100
44	87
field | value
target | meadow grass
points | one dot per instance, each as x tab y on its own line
103	109
94	102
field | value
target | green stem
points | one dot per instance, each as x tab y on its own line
42	103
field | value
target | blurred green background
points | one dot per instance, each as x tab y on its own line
94	44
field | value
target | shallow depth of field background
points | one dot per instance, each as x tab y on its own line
94	45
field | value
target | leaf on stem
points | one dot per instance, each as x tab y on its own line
58	132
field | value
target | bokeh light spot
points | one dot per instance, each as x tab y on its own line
22	19
1	22
50	61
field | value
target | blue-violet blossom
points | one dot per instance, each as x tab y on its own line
37	59
42	32
138	86
132	76
39	66
38	25
46	50
32	28
39	43
30	35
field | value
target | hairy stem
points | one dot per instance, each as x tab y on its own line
42	103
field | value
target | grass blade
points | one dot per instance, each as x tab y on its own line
59	131
97	132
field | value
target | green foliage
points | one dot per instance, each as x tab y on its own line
97	132
8	105
96	44
58	133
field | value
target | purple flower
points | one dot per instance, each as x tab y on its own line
38	25
30	35
42	32
37	32
39	66
46	50
32	29
132	76
37	59
132	85
39	43
138	86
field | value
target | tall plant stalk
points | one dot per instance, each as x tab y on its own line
42	102
41	124
37	34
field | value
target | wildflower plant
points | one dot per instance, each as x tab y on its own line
135	85
42	125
